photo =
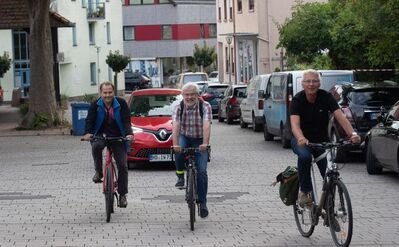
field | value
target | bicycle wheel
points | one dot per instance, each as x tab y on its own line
191	197
303	219
109	195
340	216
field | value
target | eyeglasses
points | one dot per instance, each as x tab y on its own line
311	81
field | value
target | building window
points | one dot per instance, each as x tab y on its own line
212	31
74	39
93	79
167	32
231	13
128	33
251	5
92	36
232	59
84	3
239	6
202	31
140	2
108	33
220	14
226	51
225	10
164	1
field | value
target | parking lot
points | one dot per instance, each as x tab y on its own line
47	198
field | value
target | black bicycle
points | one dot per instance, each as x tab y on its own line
334	205
191	181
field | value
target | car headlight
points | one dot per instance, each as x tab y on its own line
136	130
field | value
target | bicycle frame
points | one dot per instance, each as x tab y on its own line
109	162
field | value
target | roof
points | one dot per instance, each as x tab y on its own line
14	15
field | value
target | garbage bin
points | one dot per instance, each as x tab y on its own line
79	114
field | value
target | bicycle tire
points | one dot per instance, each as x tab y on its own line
303	221
339	195
109	195
191	197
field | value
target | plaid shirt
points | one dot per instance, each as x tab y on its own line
191	124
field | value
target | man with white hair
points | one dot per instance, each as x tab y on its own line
192	128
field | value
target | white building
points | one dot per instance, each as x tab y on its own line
82	49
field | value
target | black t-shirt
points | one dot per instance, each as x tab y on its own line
314	116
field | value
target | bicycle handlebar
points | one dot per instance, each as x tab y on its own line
329	145
191	150
107	139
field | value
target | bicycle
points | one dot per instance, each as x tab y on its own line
191	181
110	178
334	200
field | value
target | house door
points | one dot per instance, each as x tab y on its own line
21	61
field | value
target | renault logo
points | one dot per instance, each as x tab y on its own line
162	134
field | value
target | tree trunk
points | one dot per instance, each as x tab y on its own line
116	83
42	106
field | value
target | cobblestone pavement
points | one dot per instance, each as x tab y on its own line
47	198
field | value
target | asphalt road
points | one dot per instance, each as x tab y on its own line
47	198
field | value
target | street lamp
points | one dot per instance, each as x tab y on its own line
228	40
98	64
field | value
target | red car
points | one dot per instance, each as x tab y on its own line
151	117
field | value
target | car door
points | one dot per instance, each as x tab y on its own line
223	101
275	105
246	103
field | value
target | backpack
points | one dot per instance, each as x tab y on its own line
201	110
289	185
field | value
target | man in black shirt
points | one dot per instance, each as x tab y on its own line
309	115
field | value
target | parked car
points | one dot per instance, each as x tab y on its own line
211	93
361	103
202	84
191	77
281	88
136	80
151	117
214	76
252	106
382	143
229	105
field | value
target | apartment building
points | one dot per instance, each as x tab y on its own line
248	35
80	48
159	35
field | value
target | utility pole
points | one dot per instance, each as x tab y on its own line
98	64
228	40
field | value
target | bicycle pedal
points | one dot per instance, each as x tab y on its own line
181	188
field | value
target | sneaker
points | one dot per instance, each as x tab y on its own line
97	177
203	210
122	201
304	199
180	181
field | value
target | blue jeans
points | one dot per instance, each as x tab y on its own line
201	161
304	162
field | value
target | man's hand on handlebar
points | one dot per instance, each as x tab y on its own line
177	149
87	137
355	138
302	142
203	147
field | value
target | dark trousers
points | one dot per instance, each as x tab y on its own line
304	162
120	157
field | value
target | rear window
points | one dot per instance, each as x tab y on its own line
194	78
217	90
154	105
240	91
213	75
375	97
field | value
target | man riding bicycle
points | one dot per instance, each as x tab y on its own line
192	128
110	116
309	115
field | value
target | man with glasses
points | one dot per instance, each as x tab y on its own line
309	116
192	128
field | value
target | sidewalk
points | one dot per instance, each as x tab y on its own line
10	119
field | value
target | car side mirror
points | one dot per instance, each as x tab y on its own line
267	95
261	94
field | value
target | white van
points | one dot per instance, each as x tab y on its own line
280	90
252	106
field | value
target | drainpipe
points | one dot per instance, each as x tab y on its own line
234	43
268	36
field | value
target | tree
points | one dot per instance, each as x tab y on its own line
117	62
5	64
42	105
203	56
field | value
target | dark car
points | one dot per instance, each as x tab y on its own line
211	92
229	105
361	103
382	143
137	80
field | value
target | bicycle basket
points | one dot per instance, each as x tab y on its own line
289	185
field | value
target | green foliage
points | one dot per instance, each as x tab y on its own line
23	109
117	62
203	56
5	64
89	98
40	121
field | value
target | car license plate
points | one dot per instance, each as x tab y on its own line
374	115
160	157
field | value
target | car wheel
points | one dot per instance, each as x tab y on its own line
220	118
255	127
284	141
338	154
266	134
243	125
229	120
371	161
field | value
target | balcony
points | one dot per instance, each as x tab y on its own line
95	11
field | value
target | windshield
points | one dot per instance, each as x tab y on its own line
154	105
217	90
240	92
213	75
194	78
377	97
